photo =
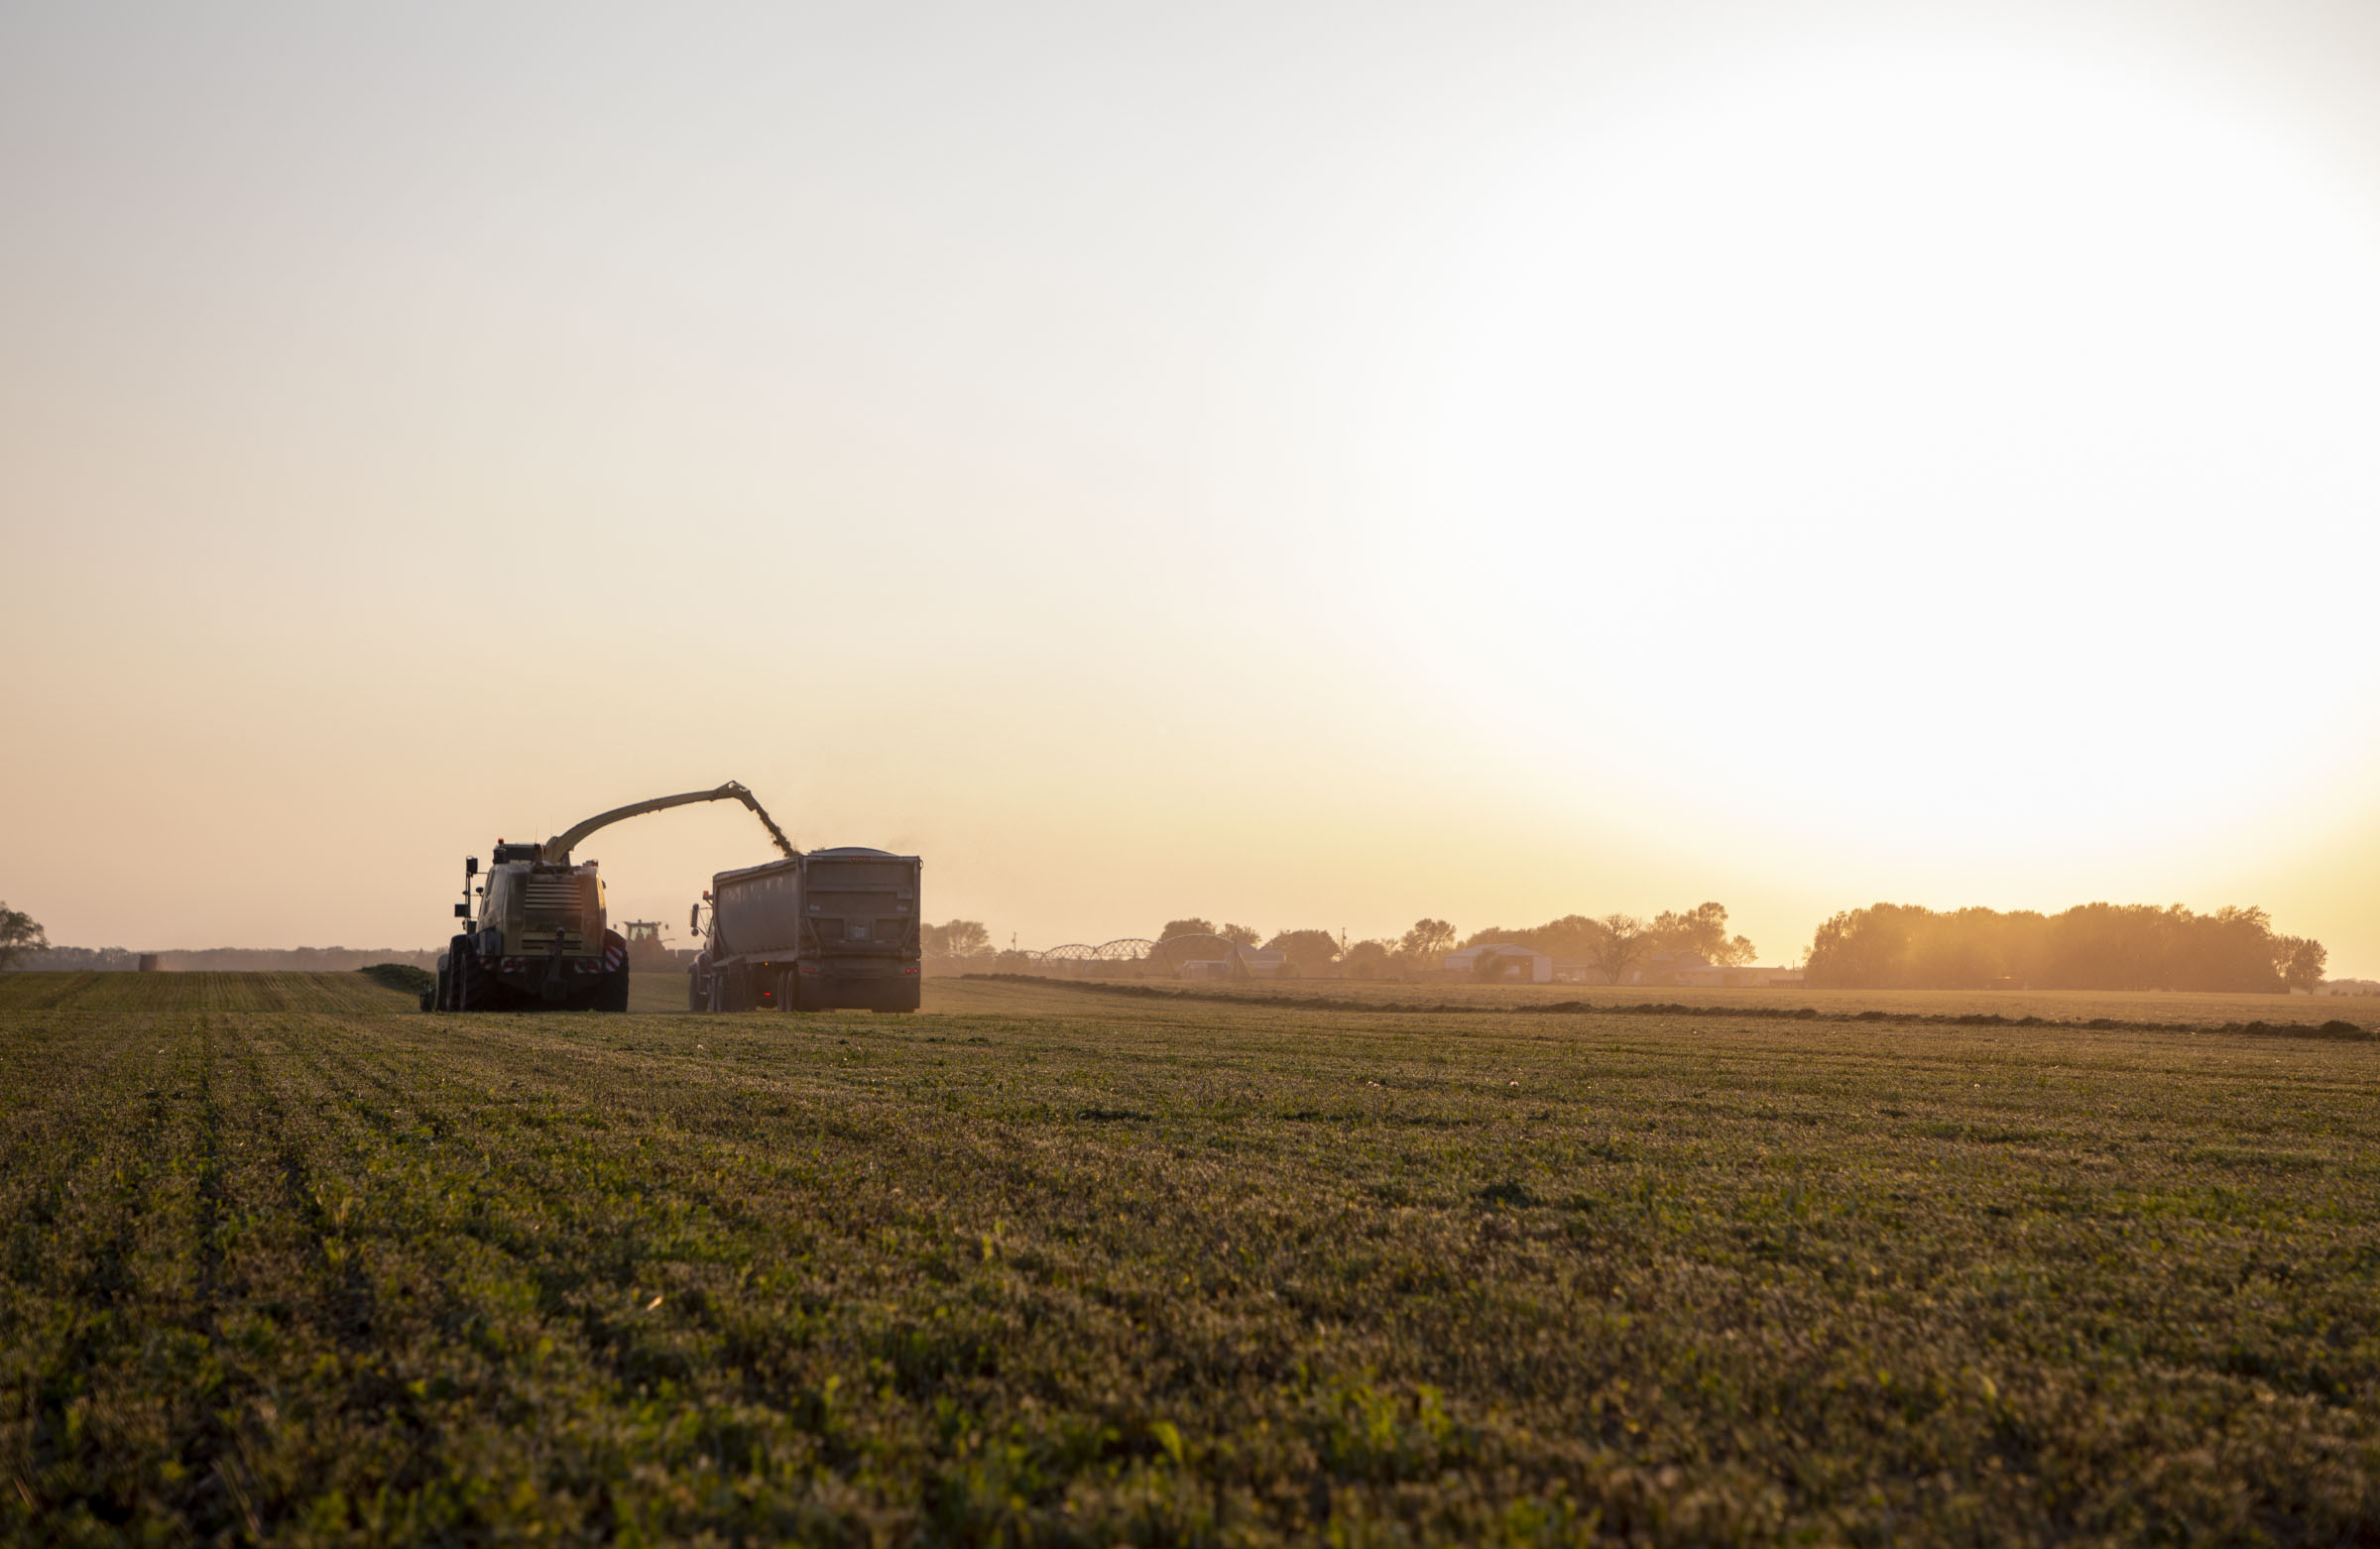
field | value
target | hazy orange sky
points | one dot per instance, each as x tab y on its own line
1300	464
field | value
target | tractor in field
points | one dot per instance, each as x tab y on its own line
647	949
541	942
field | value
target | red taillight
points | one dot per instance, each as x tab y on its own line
912	968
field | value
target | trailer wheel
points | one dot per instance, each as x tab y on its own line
698	994
441	999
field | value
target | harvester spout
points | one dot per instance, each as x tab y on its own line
556	851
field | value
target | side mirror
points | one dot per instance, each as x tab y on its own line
694	917
470	866
462	912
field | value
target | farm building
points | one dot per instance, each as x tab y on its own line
1511	961
1715	976
1672	968
1684	969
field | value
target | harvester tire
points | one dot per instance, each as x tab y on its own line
475	989
612	994
450	974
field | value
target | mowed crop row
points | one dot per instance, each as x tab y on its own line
2359	1015
1040	1267
228	992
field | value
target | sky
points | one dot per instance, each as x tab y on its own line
1308	465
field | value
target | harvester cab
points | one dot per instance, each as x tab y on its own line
540	939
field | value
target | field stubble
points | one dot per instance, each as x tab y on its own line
2162	1009
286	1260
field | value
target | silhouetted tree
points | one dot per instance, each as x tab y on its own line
2299	962
1701	930
1619	945
959	939
20	933
1175	956
1427	941
1307	951
1573	935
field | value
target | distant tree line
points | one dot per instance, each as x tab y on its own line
959	939
1190	938
1612	944
2096	947
75	960
1885	946
1618	944
292	960
25	947
1417	950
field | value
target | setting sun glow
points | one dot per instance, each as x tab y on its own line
1923	452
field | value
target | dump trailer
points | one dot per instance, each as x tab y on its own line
814	932
540	939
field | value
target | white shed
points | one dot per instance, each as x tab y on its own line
1512	962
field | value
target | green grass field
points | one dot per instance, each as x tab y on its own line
2170	1008
287	1260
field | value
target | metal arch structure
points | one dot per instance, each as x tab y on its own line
1225	942
1123	949
1131	949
